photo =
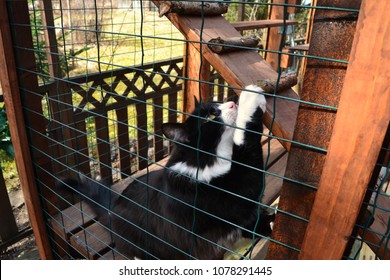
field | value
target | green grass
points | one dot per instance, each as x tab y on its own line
127	40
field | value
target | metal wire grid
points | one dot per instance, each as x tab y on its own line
106	35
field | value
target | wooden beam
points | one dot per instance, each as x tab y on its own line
356	141
259	24
322	85
240	69
274	36
10	84
197	70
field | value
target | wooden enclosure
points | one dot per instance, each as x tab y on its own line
325	146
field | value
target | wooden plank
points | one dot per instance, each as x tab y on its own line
259	24
123	141
197	70
82	157
72	219
158	143
8	227
338	200
274	36
9	81
60	97
239	69
323	84
92	242
142	135
104	147
274	182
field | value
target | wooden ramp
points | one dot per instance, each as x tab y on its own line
240	68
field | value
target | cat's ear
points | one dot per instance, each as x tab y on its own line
175	131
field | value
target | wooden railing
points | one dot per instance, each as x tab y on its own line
104	123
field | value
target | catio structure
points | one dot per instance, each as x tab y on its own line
88	85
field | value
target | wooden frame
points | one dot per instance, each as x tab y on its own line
9	81
322	84
329	226
354	148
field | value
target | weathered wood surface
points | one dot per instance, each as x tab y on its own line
354	146
285	82
193	8
197	70
322	85
239	69
222	45
259	24
10	84
274	36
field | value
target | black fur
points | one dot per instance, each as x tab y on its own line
155	217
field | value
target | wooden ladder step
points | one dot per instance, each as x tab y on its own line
240	69
92	242
72	219
258	24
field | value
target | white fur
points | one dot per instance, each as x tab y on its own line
220	167
228	112
248	103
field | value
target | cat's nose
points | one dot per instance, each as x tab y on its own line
231	105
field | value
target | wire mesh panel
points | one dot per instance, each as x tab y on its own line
99	82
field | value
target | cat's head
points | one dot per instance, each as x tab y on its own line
208	120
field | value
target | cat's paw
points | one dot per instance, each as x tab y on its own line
251	98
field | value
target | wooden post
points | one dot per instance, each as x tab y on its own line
359	130
322	84
60	101
241	11
274	36
15	114
196	69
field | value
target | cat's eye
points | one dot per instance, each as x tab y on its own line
211	117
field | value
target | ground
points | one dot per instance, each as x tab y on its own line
25	248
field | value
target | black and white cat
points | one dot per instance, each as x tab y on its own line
204	200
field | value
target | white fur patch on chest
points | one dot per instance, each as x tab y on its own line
219	167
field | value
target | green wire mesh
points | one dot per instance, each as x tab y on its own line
111	75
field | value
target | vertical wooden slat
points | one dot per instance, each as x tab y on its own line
142	135
60	95
322	85
82	157
158	120
274	36
103	145
195	68
123	141
359	130
221	89
172	104
15	114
